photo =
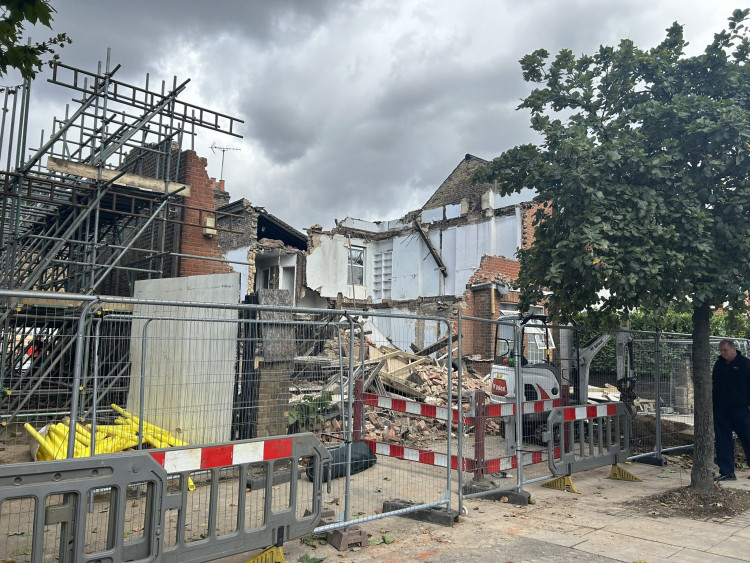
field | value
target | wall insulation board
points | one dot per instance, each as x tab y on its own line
187	356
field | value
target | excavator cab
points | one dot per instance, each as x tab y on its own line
540	377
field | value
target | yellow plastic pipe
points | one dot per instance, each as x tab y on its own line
43	446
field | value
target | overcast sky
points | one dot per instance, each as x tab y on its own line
357	108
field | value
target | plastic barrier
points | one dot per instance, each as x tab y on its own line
138	506
587	437
480	465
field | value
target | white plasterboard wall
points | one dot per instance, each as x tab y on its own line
415	273
189	356
463	247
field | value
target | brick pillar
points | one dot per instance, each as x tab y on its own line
277	367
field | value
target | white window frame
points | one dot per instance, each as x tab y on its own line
354	266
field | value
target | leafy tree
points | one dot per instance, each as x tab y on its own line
14	53
643	179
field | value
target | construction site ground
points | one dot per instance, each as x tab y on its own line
610	520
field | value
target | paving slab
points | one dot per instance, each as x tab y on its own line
693	556
625	548
669	532
734	546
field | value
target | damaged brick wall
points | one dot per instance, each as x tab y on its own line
245	224
202	204
482	299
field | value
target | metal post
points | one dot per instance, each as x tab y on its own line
348	431
449	422
78	362
480	418
142	389
95	386
657	403
358	409
520	391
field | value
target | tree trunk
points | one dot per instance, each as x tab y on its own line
701	475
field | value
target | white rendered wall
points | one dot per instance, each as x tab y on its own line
240	255
415	272
328	263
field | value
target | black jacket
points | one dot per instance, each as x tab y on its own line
731	382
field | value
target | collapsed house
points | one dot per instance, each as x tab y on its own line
458	250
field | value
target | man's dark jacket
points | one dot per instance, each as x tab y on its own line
731	382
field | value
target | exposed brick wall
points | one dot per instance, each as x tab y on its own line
528	210
484	303
203	197
496	269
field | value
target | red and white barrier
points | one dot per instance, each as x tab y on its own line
412	454
527	407
478	465
411	407
593	411
195	459
428	457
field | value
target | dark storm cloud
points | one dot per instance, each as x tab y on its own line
352	108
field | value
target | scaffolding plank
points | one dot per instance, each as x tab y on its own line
130	180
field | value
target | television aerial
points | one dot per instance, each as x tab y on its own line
223	150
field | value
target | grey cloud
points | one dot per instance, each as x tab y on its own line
353	108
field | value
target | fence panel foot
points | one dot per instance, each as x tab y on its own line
344	539
435	515
564	483
493	493
622	474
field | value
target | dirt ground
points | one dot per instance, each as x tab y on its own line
685	502
643	434
697	505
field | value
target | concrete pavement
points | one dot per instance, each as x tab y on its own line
603	523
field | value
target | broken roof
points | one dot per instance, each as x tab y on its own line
269	226
459	185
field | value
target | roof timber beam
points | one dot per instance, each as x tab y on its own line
433	251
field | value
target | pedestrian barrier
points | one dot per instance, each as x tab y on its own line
475	416
478	416
584	437
427	457
138	505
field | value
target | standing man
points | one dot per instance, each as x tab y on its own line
731	397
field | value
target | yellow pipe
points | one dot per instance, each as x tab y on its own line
43	446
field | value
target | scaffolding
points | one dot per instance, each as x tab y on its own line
98	205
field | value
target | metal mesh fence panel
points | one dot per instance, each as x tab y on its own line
394	400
